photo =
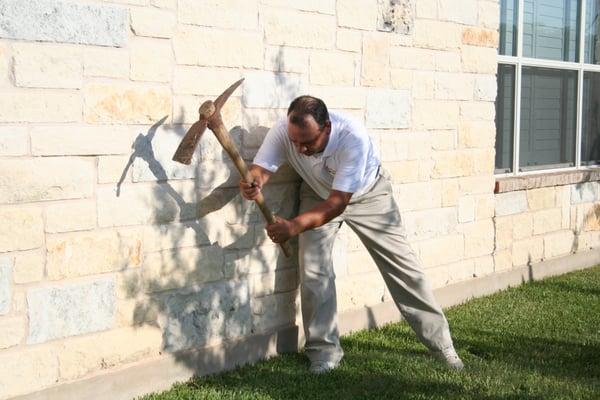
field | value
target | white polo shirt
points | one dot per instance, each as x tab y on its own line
349	163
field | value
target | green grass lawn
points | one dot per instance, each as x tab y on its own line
537	341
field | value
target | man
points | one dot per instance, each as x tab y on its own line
343	182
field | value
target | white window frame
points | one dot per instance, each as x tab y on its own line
519	62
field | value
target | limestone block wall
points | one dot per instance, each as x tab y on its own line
111	253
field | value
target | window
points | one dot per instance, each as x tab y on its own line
548	103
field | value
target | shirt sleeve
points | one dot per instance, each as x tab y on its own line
352	165
271	153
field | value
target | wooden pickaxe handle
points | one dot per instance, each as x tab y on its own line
216	125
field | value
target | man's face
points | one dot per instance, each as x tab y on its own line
310	139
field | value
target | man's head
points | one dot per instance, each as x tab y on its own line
308	125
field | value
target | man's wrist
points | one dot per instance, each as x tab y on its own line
296	226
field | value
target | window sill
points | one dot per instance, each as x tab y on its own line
534	181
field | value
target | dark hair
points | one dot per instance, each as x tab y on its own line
308	105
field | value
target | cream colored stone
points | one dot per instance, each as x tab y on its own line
154	22
5	78
126	104
169	4
151	60
55	140
22	228
376	53
484	266
328	68
14	141
286	59
484	206
185	110
522	225
591	219
29	267
460	11
92	253
13	331
359	14
79	357
423	85
502	260
461	271
452	86
393	146
483	160
477	111
466	209
226	48
450	192
28	370
480	37
447	61
112	168
401	78
437	35
404	171
443	139
230	14
70	216
279	281
319	6
479	238
441	250
426	9
476	134
479	59
446	114
30	106
287	27
503	232
489	14
559	243
105	62
486	88
477	184
47	66
349	40
359	290
183	267
419	196
177	235
588	240
542	198
527	252
40	179
412	58
547	221
353	98
450	164
202	80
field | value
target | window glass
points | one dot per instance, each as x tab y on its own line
548	118
505	111
590	134
508	27
550	29
592	47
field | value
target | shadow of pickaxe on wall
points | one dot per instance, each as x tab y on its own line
210	116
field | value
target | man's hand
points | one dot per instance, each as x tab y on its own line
250	191
281	230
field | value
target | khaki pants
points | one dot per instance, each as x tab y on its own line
375	218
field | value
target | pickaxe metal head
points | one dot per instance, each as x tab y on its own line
208	110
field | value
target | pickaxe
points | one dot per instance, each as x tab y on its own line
210	115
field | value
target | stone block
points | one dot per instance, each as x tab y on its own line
22	228
202	80
151	60
401	78
419	196
79	140
341	97
285	280
25	106
175	235
480	37
181	268
375	69
357	291
435	114
286	59
438	276
453	86
423	85
426	9
29	267
477	184
479	238
522	225
459	11
445	139
62	21
271	90
28	370
484	266
588	241
105	62
274	311
450	192
154	22
476	134
489	14
447	61
480	60
290	28
328	68
360	262
70	309
442	250
504	236
466	209
125	104
349	40
185	111
6	279
92	253
528	252
485	206
511	203
438	35
477	111
47	66
461	271
449	164
412	58
426	224
547	221
13	331
14	141
229	14
403	171
79	357
559	243
542	198
318	6
113	169
485	88
585	192
357	14
502	260
388	108
39	179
